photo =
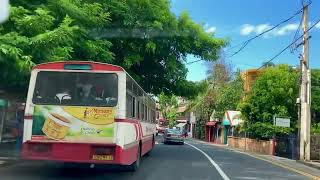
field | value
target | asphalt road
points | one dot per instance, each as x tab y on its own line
166	162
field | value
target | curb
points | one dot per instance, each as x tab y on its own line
7	161
309	164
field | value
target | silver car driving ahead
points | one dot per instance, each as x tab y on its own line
173	136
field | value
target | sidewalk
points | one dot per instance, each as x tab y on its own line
7	149
309	169
7	153
311	164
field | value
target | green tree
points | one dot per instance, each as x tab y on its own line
315	100
169	108
315	95
209	98
229	96
143	36
43	31
273	94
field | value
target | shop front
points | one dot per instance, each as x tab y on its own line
230	122
213	132
10	115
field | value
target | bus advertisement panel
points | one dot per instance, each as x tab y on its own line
75	124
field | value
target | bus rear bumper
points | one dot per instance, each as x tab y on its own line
79	152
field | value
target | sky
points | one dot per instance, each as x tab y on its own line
4	10
239	20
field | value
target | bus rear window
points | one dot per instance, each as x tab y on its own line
76	89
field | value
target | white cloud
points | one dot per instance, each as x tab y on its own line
211	29
261	28
284	30
317	26
247	29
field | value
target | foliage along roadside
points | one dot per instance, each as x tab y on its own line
143	36
223	91
273	94
168	105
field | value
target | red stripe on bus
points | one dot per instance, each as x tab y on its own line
147	146
128	121
77	152
140	130
95	65
28	117
137	126
137	131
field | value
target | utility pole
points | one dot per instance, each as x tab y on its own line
305	93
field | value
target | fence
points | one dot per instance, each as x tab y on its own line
283	146
315	147
252	145
286	146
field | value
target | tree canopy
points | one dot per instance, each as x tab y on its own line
168	105
143	36
273	94
229	96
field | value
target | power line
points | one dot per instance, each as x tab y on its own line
294	46
279	53
194	61
245	43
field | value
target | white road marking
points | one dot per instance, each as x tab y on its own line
222	174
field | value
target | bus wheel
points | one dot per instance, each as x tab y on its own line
135	166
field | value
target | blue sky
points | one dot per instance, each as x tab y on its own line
239	20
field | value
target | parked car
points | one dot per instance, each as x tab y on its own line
173	136
160	130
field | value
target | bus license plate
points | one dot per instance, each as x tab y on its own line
102	157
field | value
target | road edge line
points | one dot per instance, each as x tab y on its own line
266	160
284	166
220	171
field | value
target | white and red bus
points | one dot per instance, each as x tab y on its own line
87	112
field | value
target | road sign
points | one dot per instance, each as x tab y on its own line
283	122
4	10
